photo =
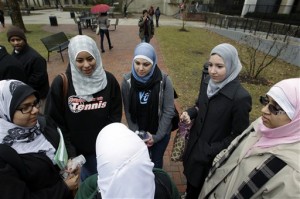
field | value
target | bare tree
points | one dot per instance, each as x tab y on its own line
183	12
252	57
126	4
15	14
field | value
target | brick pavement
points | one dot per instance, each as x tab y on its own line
118	61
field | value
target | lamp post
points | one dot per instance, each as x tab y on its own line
79	26
204	72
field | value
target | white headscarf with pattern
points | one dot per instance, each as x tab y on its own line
22	139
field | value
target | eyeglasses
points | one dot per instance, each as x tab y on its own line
272	108
28	107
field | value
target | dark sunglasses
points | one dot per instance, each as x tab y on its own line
272	108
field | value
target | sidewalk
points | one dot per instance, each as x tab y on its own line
117	61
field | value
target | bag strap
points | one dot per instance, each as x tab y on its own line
259	177
164	82
65	87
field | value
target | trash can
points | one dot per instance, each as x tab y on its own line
53	20
72	14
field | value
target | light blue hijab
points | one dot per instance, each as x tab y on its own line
233	66
146	51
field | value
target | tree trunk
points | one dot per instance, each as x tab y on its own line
15	14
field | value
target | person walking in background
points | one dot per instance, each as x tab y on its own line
148	98
35	66
103	22
146	27
151	12
157	15
28	145
220	114
92	101
263	162
10	67
2	19
125	169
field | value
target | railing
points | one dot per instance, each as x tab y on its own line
198	7
252	25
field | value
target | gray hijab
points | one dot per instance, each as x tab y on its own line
232	63
86	86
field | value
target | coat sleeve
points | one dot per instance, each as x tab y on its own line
10	182
152	27
15	181
167	111
141	22
38	71
54	109
115	113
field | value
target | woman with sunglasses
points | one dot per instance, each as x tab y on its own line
263	162
28	145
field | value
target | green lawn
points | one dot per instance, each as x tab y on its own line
186	52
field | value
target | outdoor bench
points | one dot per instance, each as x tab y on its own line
56	42
114	23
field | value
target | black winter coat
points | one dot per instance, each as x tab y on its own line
35	67
219	120
32	175
10	67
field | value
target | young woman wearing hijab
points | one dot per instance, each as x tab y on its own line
148	98
93	101
29	143
263	162
221	113
125	169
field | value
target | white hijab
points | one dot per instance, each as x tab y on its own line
123	164
22	139
86	86
233	65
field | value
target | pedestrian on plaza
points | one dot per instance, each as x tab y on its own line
157	15
92	101
125	169
220	114
10	67
146	27
29	143
148	98
2	19
264	161
104	24
35	66
125	10
151	12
